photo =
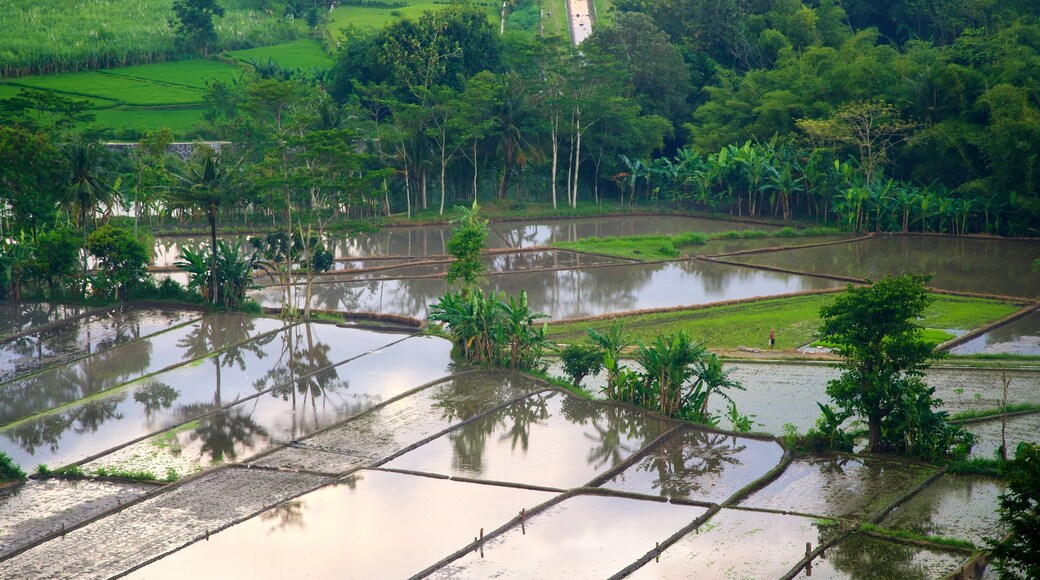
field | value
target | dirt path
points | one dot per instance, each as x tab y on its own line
580	20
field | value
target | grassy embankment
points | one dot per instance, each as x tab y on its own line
653	248
795	320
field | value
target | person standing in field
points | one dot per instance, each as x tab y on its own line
772	338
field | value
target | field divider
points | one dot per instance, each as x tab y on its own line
972	334
655	552
835	277
242	400
123	75
90	354
774	249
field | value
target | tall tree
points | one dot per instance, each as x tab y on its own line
195	22
208	184
876	332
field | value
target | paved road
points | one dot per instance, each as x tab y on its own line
581	20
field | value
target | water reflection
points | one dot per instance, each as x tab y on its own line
547	439
862	556
84	336
17	316
568	293
1020	337
953	506
991	266
700	465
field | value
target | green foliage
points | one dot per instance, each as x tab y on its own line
234	271
488	330
827	435
677	379
120	257
195	22
884	359
580	361
976	466
468	239
8	469
1019	556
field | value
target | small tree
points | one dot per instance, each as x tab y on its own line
467	241
120	256
580	361
885	358
1019	557
195	22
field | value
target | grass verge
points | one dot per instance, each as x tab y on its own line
956	543
795	320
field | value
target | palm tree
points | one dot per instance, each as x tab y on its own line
88	186
208	185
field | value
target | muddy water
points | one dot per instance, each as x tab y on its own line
372	525
990	266
17	317
377	435
1021	336
838	486
289	411
727	245
36	509
422	241
954	506
699	465
566	294
185	393
1019	428
497	263
85	336
581	537
739	544
861	557
111	368
550	439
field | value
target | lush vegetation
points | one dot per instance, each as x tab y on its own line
796	321
648	248
878	337
77	35
1019	556
8	469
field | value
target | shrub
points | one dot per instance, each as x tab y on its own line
580	361
8	468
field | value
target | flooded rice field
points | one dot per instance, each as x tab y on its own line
1019	428
740	544
305	435
979	265
953	506
1021	336
431	240
699	465
568	293
372	454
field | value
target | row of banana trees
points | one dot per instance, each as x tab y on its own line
778	179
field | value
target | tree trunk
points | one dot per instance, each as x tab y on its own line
213	287
874	425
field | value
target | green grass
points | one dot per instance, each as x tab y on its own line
370	17
907	535
51	36
651	248
121	89
932	336
976	466
795	319
180	121
303	53
8	469
965	313
994	412
191	73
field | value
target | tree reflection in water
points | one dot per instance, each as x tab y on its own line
225	432
861	556
156	396
47	431
612	426
285	515
470	441
685	464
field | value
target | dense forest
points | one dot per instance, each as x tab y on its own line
900	116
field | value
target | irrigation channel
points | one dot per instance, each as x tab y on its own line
225	445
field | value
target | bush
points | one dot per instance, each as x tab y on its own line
580	361
1019	556
8	469
122	259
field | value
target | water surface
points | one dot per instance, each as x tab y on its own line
1021	336
580	537
739	544
564	294
699	465
838	486
953	506
1020	428
17	316
372	525
549	439
862	557
981	265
